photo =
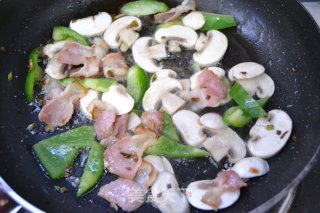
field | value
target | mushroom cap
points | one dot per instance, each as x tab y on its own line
269	135
251	167
188	124
245	70
55	69
196	190
112	32
214	49
194	20
86	100
144	54
160	163
152	97
184	35
164	73
225	142
212	121
134	121
262	86
167	195
119	98
92	25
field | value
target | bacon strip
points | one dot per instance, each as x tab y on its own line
59	111
153	120
74	53
114	65
124	158
90	68
124	193
225	181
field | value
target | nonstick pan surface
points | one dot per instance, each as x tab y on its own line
277	33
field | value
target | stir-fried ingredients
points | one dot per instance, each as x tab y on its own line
141	101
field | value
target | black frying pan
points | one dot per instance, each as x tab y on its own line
278	34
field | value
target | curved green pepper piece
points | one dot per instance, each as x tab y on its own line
35	73
93	170
137	83
172	149
177	21
99	84
215	21
144	8
169	129
61	33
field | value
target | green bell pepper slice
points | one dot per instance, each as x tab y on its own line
35	73
236	117
250	106
137	83
99	84
144	8
177	21
61	33
169	130
215	21
172	149
93	170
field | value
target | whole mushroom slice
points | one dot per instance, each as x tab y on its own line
167	196
262	86
194	20
152	99
86	101
165	73
246	70
188	124
196	190
160	163
92	25
119	98
212	121
251	167
212	50
225	142
145	53
172	102
55	69
183	35
134	121
269	135
111	35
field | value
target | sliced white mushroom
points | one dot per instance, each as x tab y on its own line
251	167
195	20
196	190
269	135
55	69
133	121
119	98
246	70
216	70
111	35
167	196
174	46
165	73
183	35
212	51
172	102
145	53
160	163
185	84
92	25
100	47
152	97
146	175
51	49
188	124
225	142
212	120
262	86
86	100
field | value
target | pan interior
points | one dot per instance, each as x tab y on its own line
278	34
